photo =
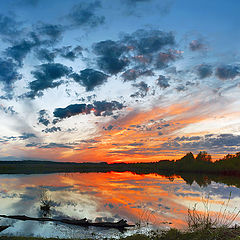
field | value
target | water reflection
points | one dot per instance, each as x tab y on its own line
159	201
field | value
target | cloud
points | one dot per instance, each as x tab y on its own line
111	59
9	27
162	81
56	145
84	14
143	89
135	144
44	54
104	108
48	33
32	145
227	72
142	49
42	34
52	129
149	41
69	52
25	136
43	117
146	7
19	51
45	76
99	108
90	78
197	45
72	110
133	74
8	110
108	128
8	75
204	71
214	143
181	88
163	58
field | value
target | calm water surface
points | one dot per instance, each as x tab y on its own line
152	200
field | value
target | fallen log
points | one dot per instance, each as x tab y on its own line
82	222
3	228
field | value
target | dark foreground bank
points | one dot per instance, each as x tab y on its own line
173	234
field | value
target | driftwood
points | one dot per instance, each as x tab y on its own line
3	228
82	222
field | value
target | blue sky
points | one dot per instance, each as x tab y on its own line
118	80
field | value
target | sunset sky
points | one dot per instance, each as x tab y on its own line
122	80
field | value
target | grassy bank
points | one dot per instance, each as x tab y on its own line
173	234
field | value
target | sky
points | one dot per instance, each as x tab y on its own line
123	80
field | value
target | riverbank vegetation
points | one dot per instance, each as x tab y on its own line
172	234
228	165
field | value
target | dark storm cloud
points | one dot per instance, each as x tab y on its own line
104	108
45	76
41	35
111	59
56	145
197	45
45	55
183	138
130	75
90	78
204	71
143	89
149	41
72	110
162	81
84	14
9	27
227	72
99	108
163	59
25	136
52	129
133	74
141	49
48	33
69	52
20	50
8	75
32	145
214	143
43	117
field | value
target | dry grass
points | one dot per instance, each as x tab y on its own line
207	219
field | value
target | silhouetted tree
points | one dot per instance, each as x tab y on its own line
204	156
189	158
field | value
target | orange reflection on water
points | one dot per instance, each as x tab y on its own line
150	198
139	198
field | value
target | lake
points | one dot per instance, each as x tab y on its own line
152	201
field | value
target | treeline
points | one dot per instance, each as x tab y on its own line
202	163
